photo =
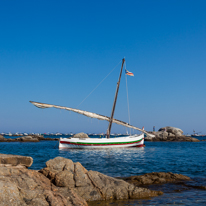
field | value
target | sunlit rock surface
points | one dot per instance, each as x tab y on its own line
170	134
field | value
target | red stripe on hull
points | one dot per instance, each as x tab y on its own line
64	142
142	145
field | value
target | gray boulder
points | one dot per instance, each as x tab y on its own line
170	134
39	137
27	139
150	137
162	135
172	130
81	135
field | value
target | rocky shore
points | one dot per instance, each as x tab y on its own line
63	182
156	178
29	138
170	134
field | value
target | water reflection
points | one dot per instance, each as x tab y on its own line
114	162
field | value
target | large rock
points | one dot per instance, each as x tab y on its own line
162	135
172	130
15	160
149	136
27	139
2	138
21	187
91	185
171	134
81	135
156	178
62	183
39	137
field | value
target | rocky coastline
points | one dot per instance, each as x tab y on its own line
29	138
63	182
170	134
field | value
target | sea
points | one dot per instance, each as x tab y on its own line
187	158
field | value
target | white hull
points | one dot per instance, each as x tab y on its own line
93	143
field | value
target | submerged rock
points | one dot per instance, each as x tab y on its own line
156	178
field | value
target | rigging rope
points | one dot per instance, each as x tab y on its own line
127	98
98	85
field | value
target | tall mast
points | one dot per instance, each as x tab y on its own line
115	100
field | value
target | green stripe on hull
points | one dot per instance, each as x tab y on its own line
109	142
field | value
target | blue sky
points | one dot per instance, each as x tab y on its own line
58	51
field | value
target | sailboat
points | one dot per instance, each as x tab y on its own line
92	143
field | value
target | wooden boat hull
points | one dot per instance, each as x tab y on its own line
95	143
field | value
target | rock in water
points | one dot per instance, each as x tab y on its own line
1	137
156	178
162	135
27	139
15	160
81	135
91	185
170	134
173	130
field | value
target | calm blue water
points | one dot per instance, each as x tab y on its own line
187	158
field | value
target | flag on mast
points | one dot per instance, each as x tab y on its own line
128	73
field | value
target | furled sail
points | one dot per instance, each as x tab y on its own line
88	114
